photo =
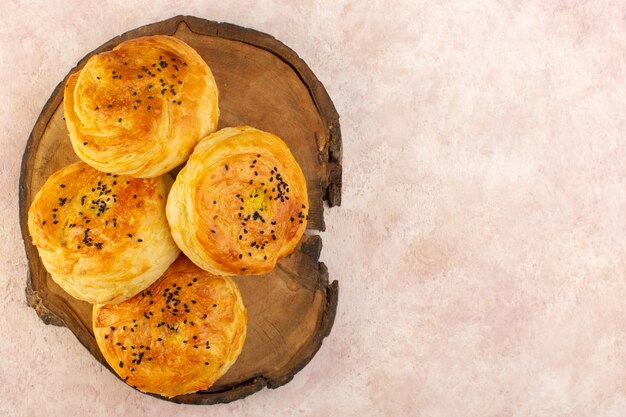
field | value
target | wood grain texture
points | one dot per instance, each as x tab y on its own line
264	84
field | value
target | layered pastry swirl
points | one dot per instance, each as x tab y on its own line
141	108
176	337
102	237
240	204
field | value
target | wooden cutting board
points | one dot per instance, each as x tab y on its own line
264	84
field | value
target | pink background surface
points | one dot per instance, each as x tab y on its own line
480	245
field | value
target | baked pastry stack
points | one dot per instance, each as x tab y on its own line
178	336
110	229
240	204
102	237
141	108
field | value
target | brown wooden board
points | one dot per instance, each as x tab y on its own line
264	84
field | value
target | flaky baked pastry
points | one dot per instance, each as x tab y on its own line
240	204
177	337
103	238
141	108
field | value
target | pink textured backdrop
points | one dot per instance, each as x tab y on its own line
480	247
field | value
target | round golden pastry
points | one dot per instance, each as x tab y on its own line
103	238
177	337
240	204
141	108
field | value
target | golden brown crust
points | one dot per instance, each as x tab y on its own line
141	108
103	238
240	204
179	336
